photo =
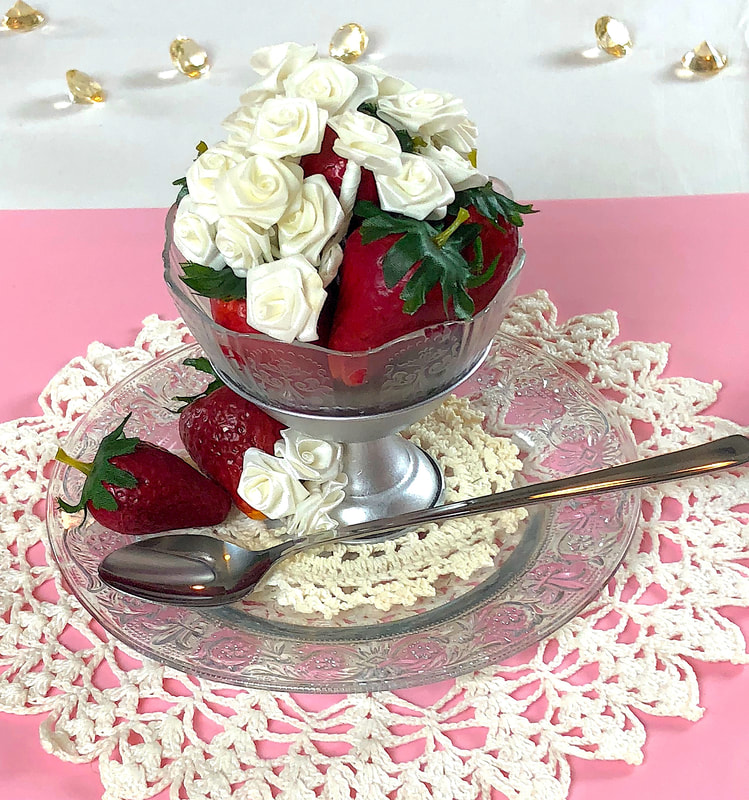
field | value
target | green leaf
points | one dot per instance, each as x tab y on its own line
401	257
203	365
220	284
101	471
378	224
404	139
491	204
480	278
368	108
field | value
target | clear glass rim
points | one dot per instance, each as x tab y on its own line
187	297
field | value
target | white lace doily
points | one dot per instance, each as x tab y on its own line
150	727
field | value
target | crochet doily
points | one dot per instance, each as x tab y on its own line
575	693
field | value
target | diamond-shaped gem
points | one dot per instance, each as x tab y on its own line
189	57
704	59
348	43
22	17
613	37
83	88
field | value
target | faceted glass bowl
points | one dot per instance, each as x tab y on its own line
307	379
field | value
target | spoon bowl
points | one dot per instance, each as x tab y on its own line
201	570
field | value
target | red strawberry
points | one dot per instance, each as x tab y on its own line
232	314
400	275
217	430
370	313
332	167
135	487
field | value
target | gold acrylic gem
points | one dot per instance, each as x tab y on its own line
704	59
613	37
22	17
189	57
348	43
83	88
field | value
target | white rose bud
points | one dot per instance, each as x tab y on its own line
260	190
195	237
268	486
326	81
207	167
308	458
242	245
422	112
462	138
305	230
284	299
458	170
366	141
419	190
288	126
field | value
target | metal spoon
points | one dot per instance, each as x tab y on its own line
199	570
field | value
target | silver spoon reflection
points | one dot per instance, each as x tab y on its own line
200	570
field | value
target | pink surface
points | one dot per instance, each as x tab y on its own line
676	270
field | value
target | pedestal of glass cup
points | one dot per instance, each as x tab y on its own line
387	474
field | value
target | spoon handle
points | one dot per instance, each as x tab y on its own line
724	453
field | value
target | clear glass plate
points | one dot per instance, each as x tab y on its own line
542	577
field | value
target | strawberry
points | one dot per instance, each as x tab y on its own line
232	314
135	487
332	167
218	428
408	274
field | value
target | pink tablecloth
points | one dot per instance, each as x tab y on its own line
676	270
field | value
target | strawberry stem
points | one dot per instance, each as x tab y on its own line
442	237
83	466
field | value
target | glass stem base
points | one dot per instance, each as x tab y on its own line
387	476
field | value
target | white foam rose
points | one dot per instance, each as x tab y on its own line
259	190
387	84
422	112
366	141
195	236
288	126
242	244
458	170
419	190
308	458
281	58
207	167
312	514
306	230
268	486
275	64
284	299
462	138
326	81
240	124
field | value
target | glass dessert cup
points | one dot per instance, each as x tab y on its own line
361	400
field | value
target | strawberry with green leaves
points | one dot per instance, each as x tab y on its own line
135	487
400	275
218	426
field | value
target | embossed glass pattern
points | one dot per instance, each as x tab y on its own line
541	578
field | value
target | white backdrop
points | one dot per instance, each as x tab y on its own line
552	123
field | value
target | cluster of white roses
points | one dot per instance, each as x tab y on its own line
300	484
251	207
